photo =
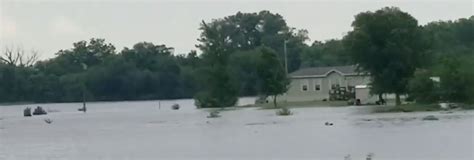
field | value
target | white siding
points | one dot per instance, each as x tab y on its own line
295	92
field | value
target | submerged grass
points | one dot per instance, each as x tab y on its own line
416	107
221	109
301	104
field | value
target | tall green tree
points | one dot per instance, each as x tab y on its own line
457	78
72	60
247	31
422	88
272	80
388	44
219	87
328	53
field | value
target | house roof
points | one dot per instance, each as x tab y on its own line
324	71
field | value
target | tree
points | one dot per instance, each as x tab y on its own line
247	31
422	88
219	88
328	53
387	44
244	63
273	80
18	57
457	78
450	58
72	60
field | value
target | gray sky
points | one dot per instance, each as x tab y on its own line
50	25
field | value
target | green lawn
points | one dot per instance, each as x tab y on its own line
414	107
300	104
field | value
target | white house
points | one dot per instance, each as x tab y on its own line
314	84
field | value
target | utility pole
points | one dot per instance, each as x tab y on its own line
84	109
286	56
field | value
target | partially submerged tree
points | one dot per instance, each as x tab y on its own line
457	79
387	44
248	31
219	89
328	53
273	80
422	88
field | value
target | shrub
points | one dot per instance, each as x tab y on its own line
284	112
47	120
39	111
27	112
206	100
422	89
457	79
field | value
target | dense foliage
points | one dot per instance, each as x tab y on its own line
146	71
451	60
273	80
389	45
243	54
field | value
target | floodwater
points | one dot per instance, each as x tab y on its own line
145	131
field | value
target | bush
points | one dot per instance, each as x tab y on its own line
457	79
175	107
27	112
422	89
206	100
284	112
39	111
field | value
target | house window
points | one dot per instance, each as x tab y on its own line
304	88
317	84
317	87
304	85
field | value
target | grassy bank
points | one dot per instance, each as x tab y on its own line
222	109
15	103
300	104
415	107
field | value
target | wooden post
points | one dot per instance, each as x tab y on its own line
84	109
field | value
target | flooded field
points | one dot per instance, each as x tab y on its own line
144	130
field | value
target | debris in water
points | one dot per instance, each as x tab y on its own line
430	118
47	120
256	123
347	157
370	156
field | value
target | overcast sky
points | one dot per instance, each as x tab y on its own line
50	25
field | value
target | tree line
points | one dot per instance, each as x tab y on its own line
244	55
